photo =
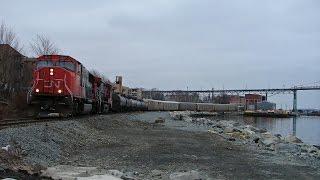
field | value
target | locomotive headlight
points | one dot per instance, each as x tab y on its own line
51	72
59	91
37	90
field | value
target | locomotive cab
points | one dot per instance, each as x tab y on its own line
59	82
63	86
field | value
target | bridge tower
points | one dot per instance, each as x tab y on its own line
295	102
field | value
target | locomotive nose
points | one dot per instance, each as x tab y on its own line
51	81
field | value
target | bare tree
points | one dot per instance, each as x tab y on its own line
42	45
11	67
100	75
8	36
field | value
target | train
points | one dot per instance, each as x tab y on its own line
63	86
157	105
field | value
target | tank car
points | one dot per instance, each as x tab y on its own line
119	103
122	104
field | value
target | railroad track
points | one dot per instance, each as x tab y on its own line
4	123
23	121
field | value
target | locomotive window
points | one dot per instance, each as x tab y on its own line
41	64
67	65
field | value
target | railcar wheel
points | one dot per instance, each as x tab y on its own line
105	109
75	108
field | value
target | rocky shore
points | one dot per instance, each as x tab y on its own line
151	145
247	134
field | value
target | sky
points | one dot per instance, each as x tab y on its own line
180	44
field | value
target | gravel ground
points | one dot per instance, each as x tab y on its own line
133	144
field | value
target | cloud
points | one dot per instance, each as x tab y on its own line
174	44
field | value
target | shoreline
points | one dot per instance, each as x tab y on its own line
145	146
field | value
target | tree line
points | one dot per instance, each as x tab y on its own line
40	45
14	74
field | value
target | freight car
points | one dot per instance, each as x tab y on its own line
122	104
187	106
170	106
62	85
156	105
208	107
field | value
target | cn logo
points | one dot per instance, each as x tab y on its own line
50	84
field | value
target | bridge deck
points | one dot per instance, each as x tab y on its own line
271	90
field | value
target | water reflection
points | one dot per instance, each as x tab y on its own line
304	127
294	128
307	128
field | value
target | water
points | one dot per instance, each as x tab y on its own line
307	128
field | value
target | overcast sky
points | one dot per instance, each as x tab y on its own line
175	44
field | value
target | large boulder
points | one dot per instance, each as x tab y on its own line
219	130
156	173
181	116
159	120
225	123
292	139
115	173
189	175
267	135
268	140
263	130
249	131
238	135
309	149
228	130
287	148
251	128
129	176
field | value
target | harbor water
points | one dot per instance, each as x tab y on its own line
307	128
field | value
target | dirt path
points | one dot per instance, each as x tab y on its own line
143	147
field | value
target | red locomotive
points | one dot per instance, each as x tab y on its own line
62	84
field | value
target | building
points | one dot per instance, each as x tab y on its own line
15	71
265	106
136	93
11	65
118	85
252	99
236	99
258	102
